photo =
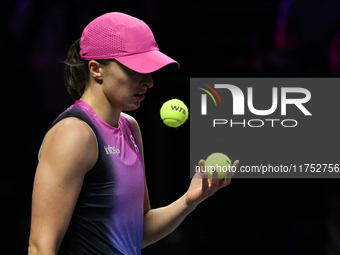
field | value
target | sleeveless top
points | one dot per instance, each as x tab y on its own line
108	216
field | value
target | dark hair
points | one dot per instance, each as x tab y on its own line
76	72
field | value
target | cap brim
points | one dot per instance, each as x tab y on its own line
147	62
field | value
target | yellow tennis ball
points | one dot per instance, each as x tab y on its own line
217	162
174	113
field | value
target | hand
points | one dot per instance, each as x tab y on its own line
202	187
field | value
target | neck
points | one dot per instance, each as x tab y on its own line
101	106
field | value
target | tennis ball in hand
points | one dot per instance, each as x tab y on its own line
174	113
220	161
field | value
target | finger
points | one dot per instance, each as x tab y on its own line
230	173
205	183
227	176
225	182
201	163
209	172
201	169
214	181
204	176
232	169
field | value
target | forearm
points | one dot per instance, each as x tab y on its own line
160	222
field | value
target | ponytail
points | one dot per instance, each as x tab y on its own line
76	72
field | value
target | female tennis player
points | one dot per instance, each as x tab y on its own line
90	194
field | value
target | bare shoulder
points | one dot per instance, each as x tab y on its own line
71	139
71	130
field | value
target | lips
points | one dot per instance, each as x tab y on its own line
140	95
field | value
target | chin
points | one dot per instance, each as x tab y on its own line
131	107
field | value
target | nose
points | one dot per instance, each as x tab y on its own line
147	80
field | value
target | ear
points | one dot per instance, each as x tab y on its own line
95	70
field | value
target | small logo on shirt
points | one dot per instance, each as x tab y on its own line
134	143
111	150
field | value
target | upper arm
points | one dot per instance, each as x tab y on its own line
135	125
68	151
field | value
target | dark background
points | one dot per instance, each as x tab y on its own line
237	38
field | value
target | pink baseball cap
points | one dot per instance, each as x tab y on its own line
124	38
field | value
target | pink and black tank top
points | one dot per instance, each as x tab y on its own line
108	217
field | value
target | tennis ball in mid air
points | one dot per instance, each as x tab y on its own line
174	113
220	161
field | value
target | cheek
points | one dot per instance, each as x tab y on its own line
117	93
119	86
